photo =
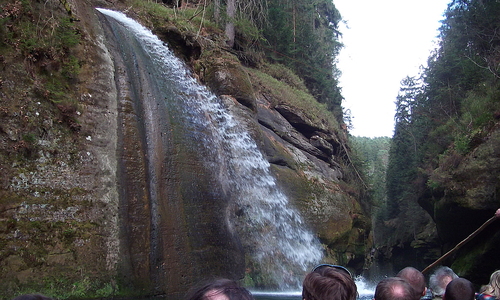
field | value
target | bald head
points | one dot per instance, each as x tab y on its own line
415	278
394	288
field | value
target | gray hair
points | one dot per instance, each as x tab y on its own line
440	279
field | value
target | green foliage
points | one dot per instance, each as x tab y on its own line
29	138
480	104
445	113
372	155
301	99
461	143
404	151
250	33
71	67
186	20
310	49
284	74
432	184
57	91
66	34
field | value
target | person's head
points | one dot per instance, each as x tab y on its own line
459	289
394	288
32	297
493	288
415	278
440	279
220	289
329	282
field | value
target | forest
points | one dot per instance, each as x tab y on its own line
445	119
453	105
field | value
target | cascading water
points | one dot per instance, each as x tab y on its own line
279	241
279	247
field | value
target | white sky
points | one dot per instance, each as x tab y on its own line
384	41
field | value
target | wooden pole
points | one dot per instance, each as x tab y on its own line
470	237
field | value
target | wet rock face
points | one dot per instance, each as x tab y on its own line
173	209
229	78
58	196
184	46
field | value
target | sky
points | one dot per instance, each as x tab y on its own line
384	41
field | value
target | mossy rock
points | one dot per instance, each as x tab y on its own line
225	76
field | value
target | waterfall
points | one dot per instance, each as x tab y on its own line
279	246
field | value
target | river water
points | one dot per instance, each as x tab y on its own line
365	292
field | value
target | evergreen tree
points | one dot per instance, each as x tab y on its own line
453	105
403	154
372	157
304	36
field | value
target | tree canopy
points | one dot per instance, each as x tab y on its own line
443	113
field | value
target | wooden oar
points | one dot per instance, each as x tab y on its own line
470	237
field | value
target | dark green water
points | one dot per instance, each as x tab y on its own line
277	295
293	296
263	297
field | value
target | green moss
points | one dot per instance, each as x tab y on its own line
284	74
248	281
44	45
68	288
67	35
297	187
71	68
467	260
295	96
29	138
29	249
185	19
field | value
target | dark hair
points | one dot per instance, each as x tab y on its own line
328	283
415	278
394	288
32	297
230	288
459	289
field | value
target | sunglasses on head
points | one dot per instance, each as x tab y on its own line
340	268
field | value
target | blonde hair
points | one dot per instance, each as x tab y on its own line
493	288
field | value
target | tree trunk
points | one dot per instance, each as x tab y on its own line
217	11
231	13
